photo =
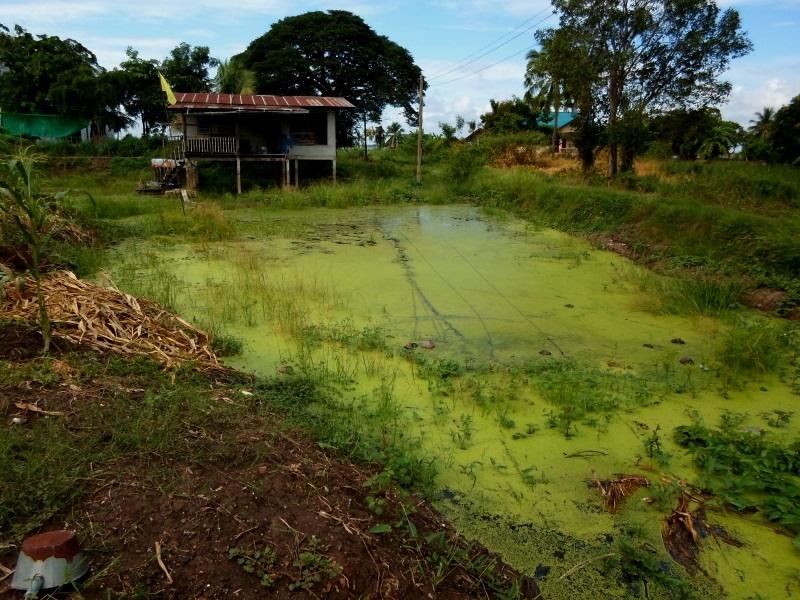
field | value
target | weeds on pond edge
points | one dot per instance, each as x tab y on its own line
747	469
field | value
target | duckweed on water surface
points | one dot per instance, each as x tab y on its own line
515	360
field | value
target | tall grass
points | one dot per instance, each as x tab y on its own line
754	346
697	296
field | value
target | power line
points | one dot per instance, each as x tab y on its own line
502	60
494	64
494	45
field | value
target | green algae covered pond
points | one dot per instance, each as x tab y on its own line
531	370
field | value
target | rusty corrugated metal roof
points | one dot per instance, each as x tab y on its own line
255	102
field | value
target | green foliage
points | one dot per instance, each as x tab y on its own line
462	436
141	90
48	75
367	339
655	55
370	70
362	434
640	566
696	296
233	78
209	223
509	116
314	567
260	563
464	162
28	212
749	470
654	448
786	133
226	345
684	130
754	346
721	140
578	392
128	146
186	68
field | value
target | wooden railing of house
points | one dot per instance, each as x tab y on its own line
210	145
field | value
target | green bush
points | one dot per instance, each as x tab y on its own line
753	345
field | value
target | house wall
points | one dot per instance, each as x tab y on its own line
319	151
267	133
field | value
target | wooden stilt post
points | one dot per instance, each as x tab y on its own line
334	170
238	175
238	162
296	173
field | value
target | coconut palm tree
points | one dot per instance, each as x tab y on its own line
232	78
543	89
545	74
721	140
762	125
393	133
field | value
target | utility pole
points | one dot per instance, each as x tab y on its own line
365	134
419	128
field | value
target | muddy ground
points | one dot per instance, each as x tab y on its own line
292	521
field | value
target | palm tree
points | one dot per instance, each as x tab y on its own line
545	75
393	133
232	78
543	89
722	139
762	125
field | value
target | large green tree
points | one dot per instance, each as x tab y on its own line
653	55
49	75
186	68
335	53
507	116
786	133
142	96
682	131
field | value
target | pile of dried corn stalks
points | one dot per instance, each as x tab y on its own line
109	320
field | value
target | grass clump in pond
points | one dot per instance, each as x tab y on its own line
346	335
699	296
748	469
580	393
755	346
209	223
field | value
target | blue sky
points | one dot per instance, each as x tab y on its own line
440	34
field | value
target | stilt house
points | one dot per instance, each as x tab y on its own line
239	128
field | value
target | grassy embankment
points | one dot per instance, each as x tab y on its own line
724	229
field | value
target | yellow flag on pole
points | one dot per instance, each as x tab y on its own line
167	90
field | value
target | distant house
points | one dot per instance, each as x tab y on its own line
288	130
474	135
567	121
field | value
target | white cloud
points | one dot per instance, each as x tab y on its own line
50	12
506	7
758	84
